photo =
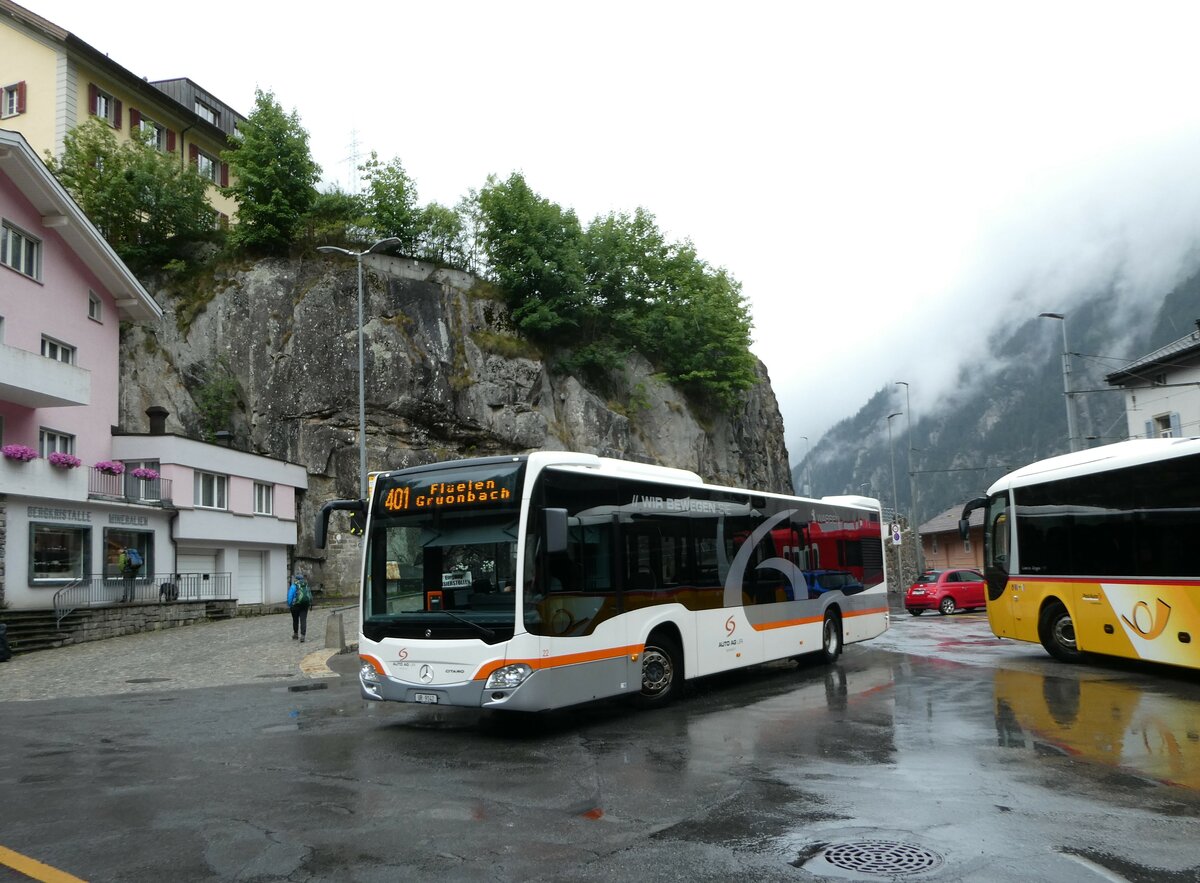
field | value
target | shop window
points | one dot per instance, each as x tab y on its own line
58	553
116	539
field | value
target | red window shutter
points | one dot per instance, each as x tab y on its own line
116	113
224	174
93	94
193	154
170	140
135	119
21	97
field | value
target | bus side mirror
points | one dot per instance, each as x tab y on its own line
964	523
321	528
358	523
554	530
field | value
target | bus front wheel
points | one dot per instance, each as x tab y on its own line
831	637
662	672
1057	633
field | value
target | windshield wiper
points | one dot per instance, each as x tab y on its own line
483	630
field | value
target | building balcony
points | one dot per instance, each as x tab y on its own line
128	489
37	478
33	381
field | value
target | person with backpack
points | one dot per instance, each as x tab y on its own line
299	599
129	562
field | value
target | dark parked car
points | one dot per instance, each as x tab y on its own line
945	591
822	581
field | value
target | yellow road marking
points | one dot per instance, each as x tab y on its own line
34	869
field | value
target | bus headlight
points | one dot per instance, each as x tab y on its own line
368	674
508	677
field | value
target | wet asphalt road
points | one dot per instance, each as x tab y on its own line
228	752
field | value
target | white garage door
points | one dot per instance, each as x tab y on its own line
249	579
193	565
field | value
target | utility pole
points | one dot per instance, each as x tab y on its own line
1073	441
912	485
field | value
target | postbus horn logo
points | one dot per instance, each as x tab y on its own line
1149	625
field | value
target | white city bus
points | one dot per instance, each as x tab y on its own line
545	580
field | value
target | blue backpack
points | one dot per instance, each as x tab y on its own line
135	558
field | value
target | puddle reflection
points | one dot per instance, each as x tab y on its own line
1152	734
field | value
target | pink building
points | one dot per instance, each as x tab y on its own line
208	522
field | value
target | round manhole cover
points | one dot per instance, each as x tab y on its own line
875	858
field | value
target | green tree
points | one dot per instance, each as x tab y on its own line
333	214
442	236
700	329
391	202
144	203
274	177
533	248
217	397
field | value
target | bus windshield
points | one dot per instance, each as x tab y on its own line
441	556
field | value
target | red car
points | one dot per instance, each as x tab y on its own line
945	591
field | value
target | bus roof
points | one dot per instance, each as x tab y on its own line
1120	455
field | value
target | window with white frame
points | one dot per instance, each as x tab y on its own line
1167	425
20	251
155	134
205	112
106	107
12	99
95	307
58	351
211	491
264	498
967	545
51	441
206	166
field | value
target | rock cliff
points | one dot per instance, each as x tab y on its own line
445	378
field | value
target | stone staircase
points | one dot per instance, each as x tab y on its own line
30	630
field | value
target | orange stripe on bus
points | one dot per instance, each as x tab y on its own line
808	620
565	659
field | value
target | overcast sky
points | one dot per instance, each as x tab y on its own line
887	180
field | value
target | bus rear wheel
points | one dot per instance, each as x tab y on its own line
1057	632
831	637
662	672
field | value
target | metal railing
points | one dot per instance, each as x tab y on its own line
100	590
152	492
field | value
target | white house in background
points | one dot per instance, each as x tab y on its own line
234	512
1162	390
227	518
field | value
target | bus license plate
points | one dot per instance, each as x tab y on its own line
429	698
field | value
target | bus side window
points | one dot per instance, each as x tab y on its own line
999	557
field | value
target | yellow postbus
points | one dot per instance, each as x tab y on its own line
1092	552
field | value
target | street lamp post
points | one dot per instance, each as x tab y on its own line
1072	430
804	490
362	396
912	483
895	502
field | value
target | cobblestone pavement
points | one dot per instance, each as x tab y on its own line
244	650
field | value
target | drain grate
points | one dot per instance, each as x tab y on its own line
880	858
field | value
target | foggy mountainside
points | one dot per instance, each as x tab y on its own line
1007	408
